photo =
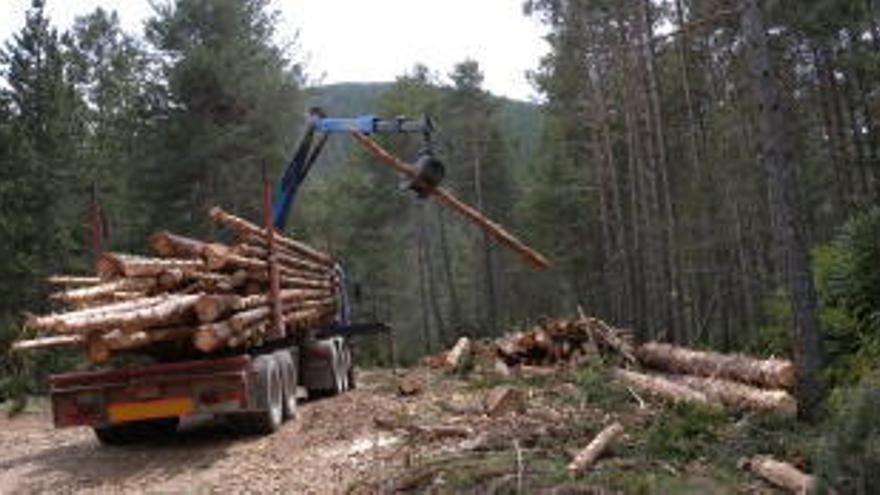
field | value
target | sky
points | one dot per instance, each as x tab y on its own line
368	41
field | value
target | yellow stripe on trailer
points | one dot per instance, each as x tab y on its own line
154	409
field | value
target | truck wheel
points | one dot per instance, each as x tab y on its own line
136	431
288	382
269	391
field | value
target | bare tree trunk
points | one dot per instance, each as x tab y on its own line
448	272
433	294
488	268
778	158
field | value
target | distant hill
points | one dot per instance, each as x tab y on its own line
520	121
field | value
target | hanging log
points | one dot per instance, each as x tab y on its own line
588	456
770	373
244	227
170	245
446	198
114	265
738	395
780	474
661	387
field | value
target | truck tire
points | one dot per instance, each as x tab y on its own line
270	393
136	431
288	382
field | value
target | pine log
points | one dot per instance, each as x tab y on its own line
119	341
586	457
285	258
50	342
104	290
661	387
167	311
739	396
444	197
240	321
68	280
458	352
210	337
170	245
114	265
215	307
780	474
242	226
770	373
54	321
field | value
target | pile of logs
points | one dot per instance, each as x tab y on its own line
670	372
563	340
201	295
733	380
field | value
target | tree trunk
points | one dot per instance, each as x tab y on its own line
778	156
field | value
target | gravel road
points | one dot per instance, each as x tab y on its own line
331	443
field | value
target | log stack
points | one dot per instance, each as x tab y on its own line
204	296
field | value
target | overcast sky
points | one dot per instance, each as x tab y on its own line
375	40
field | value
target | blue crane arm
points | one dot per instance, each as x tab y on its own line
309	149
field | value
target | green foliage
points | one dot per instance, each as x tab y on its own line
849	456
848	282
684	432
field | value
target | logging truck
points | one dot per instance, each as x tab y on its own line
255	391
239	330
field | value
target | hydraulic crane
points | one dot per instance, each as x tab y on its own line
319	127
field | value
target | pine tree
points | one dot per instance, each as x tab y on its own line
231	106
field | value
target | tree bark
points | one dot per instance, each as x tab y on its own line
778	158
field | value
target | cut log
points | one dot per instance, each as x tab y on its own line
780	474
503	400
167	311
588	456
170	245
770	373
661	387
444	197
67	280
51	342
738	395
244	227
456	357
105	290
114	265
285	258
54	321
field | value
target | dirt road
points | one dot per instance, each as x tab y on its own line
332	443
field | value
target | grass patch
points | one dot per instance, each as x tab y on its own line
684	432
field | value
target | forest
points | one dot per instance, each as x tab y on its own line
702	172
